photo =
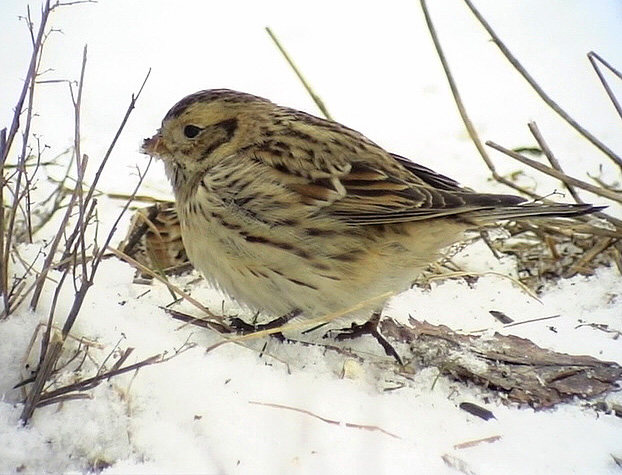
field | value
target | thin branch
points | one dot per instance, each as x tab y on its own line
54	245
324	419
90	383
593	57
556	174
58	395
47	265
536	87
77	103
318	101
7	229
144	269
462	109
30	77
89	278
126	117
54	350
552	159
45	369
21	174
4	264
69	4
47	335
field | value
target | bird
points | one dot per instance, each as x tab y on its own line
296	215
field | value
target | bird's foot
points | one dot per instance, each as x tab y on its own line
370	327
244	328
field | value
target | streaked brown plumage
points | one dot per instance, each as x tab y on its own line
283	210
154	239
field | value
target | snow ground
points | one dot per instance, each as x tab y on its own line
197	414
199	411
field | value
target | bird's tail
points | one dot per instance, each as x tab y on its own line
531	210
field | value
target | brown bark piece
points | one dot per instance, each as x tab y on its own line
512	365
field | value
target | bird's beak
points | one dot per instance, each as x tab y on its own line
154	146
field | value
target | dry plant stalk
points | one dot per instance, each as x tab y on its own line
595	59
76	235
582	233
318	101
540	91
351	425
8	214
85	259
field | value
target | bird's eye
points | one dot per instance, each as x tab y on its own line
191	131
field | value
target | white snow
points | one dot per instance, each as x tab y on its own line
238	409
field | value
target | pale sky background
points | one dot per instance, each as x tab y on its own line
372	63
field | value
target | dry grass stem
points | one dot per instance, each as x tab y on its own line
308	323
543	95
597	190
594	60
582	264
474	443
541	258
552	159
173	288
78	228
318	101
472	131
7	227
324	419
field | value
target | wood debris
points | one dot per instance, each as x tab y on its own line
516	367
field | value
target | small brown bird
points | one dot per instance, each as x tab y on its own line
293	214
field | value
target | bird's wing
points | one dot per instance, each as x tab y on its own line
339	171
374	197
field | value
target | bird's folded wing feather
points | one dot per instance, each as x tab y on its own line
360	189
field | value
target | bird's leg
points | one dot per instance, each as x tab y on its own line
370	327
243	327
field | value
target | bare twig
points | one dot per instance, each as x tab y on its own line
543	95
144	269
4	264
473	443
324	419
76	2
47	265
593	57
43	371
91	190
52	352
56	241
617	197
77	107
600	246
531	320
462	109
90	383
120	129
318	101
28	89
88	278
87	206
69	391
552	159
30	77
